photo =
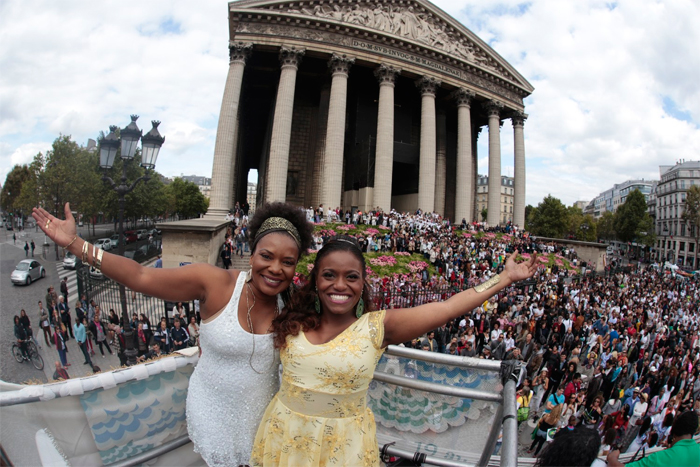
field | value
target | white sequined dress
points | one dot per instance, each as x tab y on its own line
226	397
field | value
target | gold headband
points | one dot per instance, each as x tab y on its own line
278	224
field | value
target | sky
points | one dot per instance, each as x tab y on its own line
616	83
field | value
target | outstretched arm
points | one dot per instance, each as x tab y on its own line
401	325
176	284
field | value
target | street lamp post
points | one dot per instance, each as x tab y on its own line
128	142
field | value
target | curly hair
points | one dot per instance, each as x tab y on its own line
577	448
286	211
300	311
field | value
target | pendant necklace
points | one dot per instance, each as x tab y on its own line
249	291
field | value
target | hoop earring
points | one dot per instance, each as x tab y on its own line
317	305
249	275
360	308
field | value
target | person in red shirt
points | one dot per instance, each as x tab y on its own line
573	387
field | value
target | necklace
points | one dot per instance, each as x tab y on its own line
249	291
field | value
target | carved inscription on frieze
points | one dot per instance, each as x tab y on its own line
391	52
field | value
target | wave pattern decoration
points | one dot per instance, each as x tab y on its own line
413	411
139	415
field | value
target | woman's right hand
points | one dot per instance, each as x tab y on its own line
62	232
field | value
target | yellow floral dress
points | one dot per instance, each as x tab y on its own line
320	417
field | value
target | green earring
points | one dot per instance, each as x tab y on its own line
317	305
360	308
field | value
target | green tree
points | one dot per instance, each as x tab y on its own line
30	196
188	200
484	214
549	219
606	226
12	188
691	213
631	218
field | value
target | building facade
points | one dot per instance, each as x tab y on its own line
675	238
613	198
363	104
507	197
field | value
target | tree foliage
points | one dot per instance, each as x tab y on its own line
549	219
185	199
12	187
632	221
606	226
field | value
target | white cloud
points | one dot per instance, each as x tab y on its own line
615	96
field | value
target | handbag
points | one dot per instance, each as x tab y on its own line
523	414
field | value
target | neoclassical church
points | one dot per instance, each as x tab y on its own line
364	104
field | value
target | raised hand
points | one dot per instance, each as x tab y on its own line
62	232
520	271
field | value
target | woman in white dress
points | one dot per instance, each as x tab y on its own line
237	373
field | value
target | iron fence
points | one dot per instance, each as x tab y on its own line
105	292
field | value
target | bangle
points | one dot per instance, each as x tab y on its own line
94	254
98	260
484	286
85	252
71	242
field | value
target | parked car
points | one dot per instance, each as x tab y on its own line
130	236
26	271
70	261
142	234
104	243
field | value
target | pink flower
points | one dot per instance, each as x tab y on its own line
467	235
381	227
372	231
402	253
417	266
345	227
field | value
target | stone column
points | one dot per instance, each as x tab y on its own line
519	175
493	216
290	58
222	176
332	183
464	196
384	157
426	178
441	163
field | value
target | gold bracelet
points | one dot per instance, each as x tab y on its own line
484	286
100	252
71	242
85	252
94	254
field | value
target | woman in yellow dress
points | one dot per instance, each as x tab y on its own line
330	343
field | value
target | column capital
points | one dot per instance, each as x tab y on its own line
386	74
239	51
340	63
518	118
494	108
428	85
463	96
291	56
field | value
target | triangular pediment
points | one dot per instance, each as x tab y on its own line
416	22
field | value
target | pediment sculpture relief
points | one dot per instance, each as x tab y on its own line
403	22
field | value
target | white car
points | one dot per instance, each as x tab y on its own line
26	271
104	243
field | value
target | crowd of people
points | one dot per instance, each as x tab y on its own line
616	354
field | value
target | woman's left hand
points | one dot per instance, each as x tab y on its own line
520	271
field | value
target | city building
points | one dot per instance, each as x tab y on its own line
675	238
505	212
364	105
251	196
581	204
204	183
613	198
